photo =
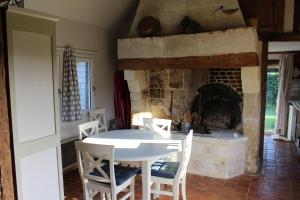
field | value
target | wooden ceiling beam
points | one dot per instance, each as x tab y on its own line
249	8
279	37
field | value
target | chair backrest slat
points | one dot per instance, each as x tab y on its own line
90	159
87	129
99	115
162	126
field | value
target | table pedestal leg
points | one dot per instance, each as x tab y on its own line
146	179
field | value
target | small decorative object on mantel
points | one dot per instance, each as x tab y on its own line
225	11
189	26
149	27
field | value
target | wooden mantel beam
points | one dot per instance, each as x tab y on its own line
191	62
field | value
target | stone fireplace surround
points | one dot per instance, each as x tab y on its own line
151	88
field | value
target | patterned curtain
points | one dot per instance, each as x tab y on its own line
285	82
71	110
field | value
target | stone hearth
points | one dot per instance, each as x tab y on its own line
225	160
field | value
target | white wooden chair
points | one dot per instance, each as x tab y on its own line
173	173
161	126
99	115
87	129
100	177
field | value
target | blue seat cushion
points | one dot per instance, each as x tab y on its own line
122	174
164	169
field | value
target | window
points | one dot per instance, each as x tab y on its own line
84	65
84	83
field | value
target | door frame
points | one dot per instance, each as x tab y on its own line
263	71
7	167
265	39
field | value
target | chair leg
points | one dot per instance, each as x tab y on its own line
176	191
86	194
132	190
113	196
102	196
183	187
157	190
108	196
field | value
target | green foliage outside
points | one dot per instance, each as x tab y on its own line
271	98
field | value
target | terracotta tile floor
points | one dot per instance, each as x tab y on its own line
279	180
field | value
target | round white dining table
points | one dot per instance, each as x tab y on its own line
146	146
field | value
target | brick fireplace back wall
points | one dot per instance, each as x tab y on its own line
227	76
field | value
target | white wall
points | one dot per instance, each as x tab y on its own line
85	25
88	37
284	46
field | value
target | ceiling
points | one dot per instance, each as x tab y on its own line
249	8
102	13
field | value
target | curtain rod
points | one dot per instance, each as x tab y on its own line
80	50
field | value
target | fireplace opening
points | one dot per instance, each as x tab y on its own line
218	107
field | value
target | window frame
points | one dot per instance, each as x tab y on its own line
81	56
91	64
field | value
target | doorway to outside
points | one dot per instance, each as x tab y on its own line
271	98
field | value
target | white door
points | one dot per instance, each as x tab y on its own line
34	105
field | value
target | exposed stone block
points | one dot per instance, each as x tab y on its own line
225	160
158	110
251	79
129	75
136	80
155	93
156	102
251	128
138	103
251	109
176	79
158	78
154	86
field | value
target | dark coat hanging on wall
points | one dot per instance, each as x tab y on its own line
122	100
